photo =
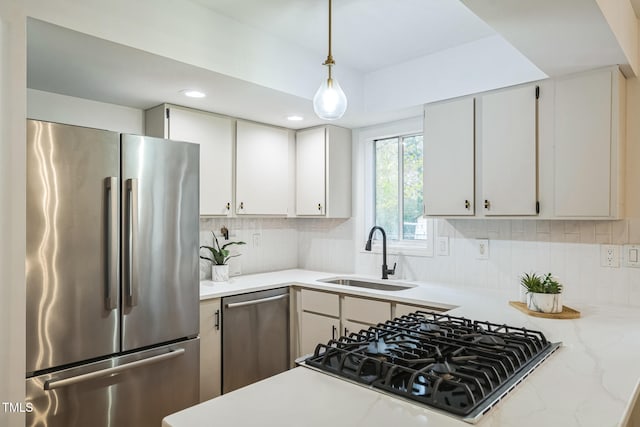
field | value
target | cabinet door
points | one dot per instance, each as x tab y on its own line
210	349
365	310
215	136
349	327
317	329
311	172
262	169
583	145
320	302
509	152
449	157
403	309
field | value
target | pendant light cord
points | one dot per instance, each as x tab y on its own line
329	62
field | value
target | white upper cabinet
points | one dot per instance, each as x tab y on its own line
262	169
449	157
323	172
215	136
588	145
509	151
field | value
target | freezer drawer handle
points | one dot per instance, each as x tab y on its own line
52	385
112	262
132	244
256	301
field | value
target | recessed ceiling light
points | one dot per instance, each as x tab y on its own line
295	118
193	93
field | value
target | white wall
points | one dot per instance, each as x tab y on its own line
53	107
12	207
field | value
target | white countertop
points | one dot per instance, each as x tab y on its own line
592	380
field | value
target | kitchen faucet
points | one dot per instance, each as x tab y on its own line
385	271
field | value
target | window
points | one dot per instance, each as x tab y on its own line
398	187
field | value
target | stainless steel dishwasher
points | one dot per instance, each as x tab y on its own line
255	337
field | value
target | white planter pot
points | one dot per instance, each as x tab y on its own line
220	273
544	303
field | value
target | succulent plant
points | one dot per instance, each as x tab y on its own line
535	283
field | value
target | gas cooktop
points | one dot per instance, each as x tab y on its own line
452	364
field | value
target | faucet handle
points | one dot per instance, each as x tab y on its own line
393	270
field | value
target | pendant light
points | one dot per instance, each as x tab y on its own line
329	102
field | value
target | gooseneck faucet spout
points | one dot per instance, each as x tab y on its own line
385	271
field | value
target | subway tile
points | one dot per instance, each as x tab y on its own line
587	232
571	227
556	231
572	238
543	226
603	227
634	230
517	226
620	232
530	230
603	239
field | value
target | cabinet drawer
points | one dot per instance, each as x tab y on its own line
403	309
320	302
365	311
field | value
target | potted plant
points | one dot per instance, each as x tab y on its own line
543	292
219	257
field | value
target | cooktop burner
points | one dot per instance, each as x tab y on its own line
450	363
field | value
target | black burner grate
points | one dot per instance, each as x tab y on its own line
447	362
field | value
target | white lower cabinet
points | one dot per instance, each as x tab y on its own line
210	349
316	329
327	315
365	311
404	309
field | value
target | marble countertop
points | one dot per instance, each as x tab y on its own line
592	380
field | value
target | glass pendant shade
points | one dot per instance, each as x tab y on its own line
330	102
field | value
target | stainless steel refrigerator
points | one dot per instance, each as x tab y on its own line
112	277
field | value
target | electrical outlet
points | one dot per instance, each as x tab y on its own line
257	237
443	246
610	256
482	248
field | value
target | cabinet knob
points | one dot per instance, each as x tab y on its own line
487	204
228	205
241	205
467	205
320	207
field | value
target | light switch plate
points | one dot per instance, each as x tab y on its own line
443	246
631	255
482	248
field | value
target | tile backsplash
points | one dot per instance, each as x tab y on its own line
568	249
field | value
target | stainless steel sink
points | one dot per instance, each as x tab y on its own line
365	283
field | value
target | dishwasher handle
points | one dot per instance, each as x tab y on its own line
256	301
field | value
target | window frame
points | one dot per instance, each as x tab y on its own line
424	248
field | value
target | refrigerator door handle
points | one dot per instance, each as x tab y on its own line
132	242
52	385
111	190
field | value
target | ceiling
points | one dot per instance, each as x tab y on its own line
367	34
394	56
